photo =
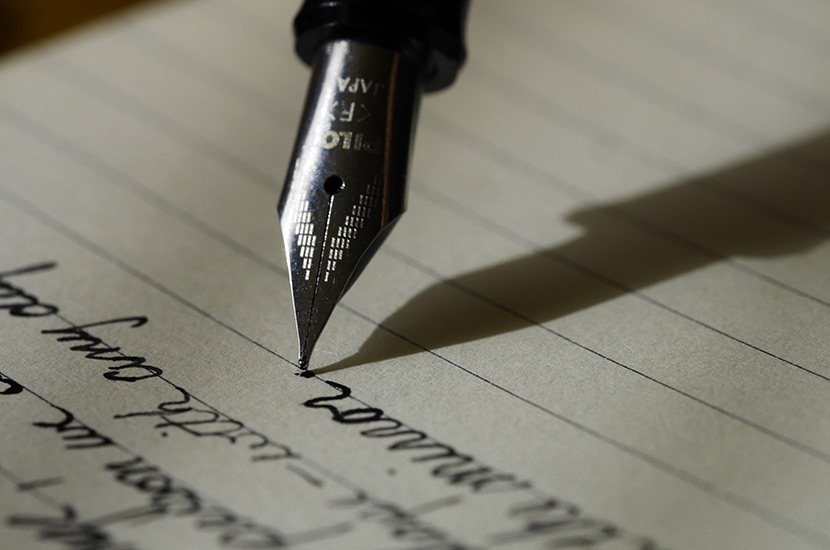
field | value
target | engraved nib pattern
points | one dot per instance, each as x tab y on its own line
345	184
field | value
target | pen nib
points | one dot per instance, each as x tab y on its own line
346	182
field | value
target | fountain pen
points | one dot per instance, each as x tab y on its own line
346	184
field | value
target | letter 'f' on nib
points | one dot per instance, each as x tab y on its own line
345	186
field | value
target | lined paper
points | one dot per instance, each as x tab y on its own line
603	321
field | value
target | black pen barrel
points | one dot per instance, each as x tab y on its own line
429	31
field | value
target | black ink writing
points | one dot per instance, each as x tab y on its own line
21	303
166	497
9	386
122	367
169	498
402	525
558	524
201	421
79	436
453	467
17	301
562	525
176	414
68	530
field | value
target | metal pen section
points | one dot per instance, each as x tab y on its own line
346	183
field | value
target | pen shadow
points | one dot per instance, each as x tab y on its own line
773	205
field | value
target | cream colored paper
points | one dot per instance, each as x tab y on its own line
603	322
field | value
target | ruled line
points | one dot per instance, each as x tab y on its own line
606	135
270	265
46	499
516	92
781	521
94	85
266	264
644	21
59	227
799	32
68	147
36	492
676	312
165	51
47	136
445	202
475	143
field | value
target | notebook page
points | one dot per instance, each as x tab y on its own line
603	321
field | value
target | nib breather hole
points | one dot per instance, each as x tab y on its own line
333	185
